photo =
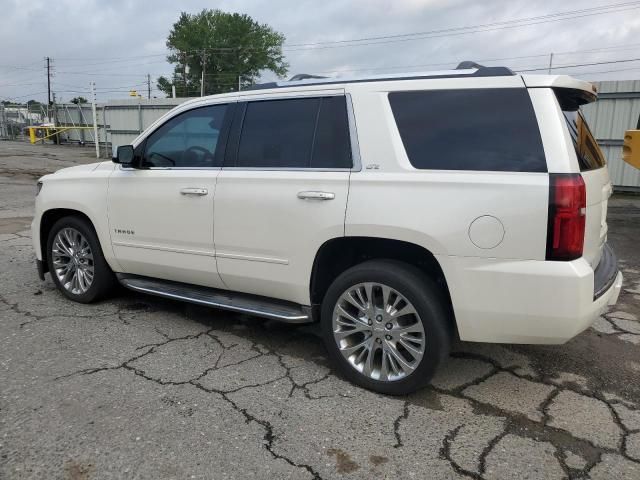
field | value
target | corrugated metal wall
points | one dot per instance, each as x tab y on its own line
617	110
119	121
71	115
126	119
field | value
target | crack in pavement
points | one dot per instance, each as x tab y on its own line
522	426
269	437
445	454
515	423
396	424
562	440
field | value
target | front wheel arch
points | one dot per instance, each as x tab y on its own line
48	220
103	279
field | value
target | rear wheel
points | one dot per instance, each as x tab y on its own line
386	326
76	263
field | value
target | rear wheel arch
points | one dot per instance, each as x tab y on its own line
339	254
375	345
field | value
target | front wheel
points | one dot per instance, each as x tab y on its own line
386	326
76	263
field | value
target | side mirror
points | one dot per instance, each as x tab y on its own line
631	148
124	155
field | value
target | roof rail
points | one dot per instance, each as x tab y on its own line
464	69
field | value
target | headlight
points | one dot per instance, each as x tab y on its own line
38	188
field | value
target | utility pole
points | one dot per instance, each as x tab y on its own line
239	82
550	62
49	75
204	65
95	118
48	80
148	86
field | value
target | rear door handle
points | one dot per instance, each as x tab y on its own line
316	195
194	191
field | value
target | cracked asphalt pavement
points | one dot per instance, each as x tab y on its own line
139	387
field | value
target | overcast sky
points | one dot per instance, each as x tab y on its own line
117	42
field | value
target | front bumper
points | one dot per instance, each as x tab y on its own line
529	301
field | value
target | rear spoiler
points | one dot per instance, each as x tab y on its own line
570	91
558	81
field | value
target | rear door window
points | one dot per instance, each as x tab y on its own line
295	133
278	133
331	145
492	129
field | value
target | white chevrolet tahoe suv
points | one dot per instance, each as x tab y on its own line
398	211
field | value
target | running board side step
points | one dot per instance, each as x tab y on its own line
210	297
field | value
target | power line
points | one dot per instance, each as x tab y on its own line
592	11
580	65
373	40
481	30
605	71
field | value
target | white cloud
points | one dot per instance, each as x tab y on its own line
83	37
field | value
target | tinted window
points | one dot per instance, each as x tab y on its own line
331	147
295	133
589	154
187	140
479	129
278	133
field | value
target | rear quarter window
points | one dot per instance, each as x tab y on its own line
469	129
590	157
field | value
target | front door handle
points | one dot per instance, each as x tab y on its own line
194	191
316	195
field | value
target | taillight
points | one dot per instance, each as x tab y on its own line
567	210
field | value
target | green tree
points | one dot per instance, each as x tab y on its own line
79	100
231	46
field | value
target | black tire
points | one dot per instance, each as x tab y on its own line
428	300
104	279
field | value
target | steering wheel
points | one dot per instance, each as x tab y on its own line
206	155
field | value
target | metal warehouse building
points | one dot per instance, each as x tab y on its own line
617	110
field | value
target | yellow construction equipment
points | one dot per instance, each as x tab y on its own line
42	133
631	148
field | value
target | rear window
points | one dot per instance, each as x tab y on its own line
589	155
469	129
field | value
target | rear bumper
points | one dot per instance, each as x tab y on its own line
510	301
605	273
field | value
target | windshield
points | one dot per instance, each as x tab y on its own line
590	156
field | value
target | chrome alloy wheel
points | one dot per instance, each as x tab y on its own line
72	260
378	331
